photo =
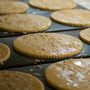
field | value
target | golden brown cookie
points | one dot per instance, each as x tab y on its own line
24	23
53	4
4	52
12	7
85	35
48	45
15	80
73	17
71	74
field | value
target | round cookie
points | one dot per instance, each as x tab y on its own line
15	80
72	17
53	4
24	23
71	74
4	52
48	45
85	35
12	7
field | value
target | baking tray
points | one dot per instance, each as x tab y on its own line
17	59
55	26
36	70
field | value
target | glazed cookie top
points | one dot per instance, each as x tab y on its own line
72	17
24	23
71	74
12	7
53	4
85	35
15	80
48	45
4	52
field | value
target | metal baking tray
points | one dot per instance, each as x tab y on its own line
17	59
55	26
36	70
19	62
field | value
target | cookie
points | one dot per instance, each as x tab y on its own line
15	80
48	45
13	7
4	53
85	35
53	4
71	74
24	23
72	17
